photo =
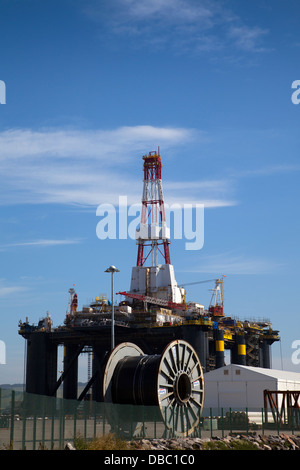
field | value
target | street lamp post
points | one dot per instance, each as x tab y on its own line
112	270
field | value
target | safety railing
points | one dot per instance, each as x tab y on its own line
33	422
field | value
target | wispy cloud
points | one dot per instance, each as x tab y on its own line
248	38
233	263
117	144
210	192
41	243
92	167
168	10
6	290
202	26
269	170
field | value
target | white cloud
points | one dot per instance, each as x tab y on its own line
118	144
248	38
168	10
44	242
92	167
232	263
6	291
203	26
265	171
211	193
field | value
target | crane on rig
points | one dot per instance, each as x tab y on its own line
216	306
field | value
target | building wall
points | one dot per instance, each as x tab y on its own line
242	387
236	394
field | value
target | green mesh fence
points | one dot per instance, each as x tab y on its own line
38	422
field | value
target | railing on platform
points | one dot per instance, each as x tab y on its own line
30	421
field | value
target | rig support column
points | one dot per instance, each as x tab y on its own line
41	364
239	353
219	343
99	358
266	355
70	383
198	339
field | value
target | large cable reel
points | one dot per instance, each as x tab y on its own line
173	381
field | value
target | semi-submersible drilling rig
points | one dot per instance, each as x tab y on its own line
153	314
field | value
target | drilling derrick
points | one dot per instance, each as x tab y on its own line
153	227
154	283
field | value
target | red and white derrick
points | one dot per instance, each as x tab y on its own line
153	227
156	283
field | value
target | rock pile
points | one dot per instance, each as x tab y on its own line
238	442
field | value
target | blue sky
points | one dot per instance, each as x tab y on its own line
91	86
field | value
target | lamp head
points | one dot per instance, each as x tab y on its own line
112	269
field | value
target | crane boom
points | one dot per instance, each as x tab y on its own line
196	282
153	300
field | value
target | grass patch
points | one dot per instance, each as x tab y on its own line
216	445
242	444
236	444
106	442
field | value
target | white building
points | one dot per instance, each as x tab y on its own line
240	387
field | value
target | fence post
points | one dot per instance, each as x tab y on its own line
293	416
210	419
61	424
85	412
12	419
143	414
173	421
186	420
24	415
166	429
44	402
222	418
103	406
34	430
75	419
95	419
118	428
53	409
199	425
